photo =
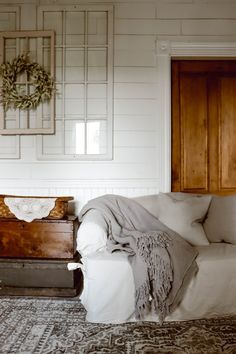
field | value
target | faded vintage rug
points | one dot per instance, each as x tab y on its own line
57	326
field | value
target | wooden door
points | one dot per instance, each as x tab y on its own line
204	126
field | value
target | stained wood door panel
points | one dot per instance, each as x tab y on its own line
193	135
204	126
228	132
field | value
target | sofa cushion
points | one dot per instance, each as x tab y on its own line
220	223
185	216
149	202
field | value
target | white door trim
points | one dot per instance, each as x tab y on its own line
165	51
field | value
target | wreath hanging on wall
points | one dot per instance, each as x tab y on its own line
15	97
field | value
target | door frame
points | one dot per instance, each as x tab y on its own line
165	51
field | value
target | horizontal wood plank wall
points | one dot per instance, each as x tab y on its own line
137	163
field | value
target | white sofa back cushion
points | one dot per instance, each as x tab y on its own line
149	202
185	216
220	224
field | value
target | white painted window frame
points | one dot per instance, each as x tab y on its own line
16	154
110	56
165	51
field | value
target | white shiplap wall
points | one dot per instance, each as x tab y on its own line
137	167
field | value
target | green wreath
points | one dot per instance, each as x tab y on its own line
12	96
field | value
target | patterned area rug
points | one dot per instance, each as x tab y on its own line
58	326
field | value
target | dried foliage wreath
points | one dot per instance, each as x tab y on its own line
13	96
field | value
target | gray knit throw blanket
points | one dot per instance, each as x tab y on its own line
152	271
162	262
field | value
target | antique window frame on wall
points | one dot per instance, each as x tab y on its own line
24	37
57	147
10	146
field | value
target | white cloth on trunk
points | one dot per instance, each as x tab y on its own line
28	209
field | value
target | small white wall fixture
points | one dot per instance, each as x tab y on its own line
166	50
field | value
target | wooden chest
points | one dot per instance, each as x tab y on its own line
42	238
34	257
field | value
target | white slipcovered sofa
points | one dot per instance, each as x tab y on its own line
206	222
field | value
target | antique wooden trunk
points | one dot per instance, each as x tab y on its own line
34	257
42	238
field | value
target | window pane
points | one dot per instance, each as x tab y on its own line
59	64
32	43
97	91
46	107
46	59
10	42
10	54
74	91
10	49
11	121
33	121
28	119
97	27
74	105
59	108
97	100
75	137
59	101
8	21
97	107
74	66
53	21
10	124
97	64
75	28
96	137
8	145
